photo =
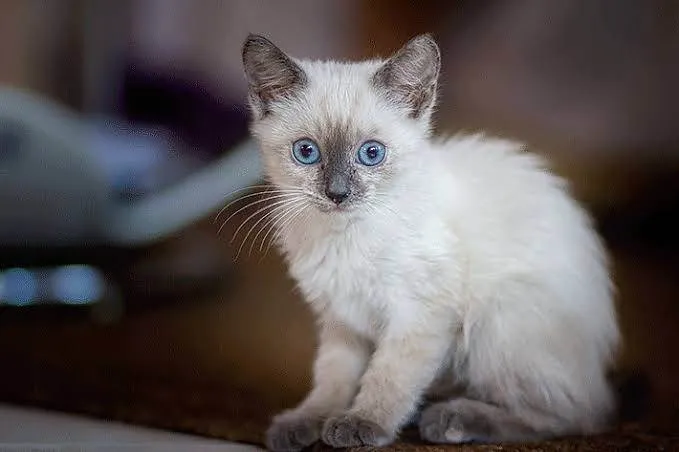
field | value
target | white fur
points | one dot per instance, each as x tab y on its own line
469	255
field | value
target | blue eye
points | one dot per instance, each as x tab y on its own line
371	153
306	152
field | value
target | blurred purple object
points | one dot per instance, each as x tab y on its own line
201	117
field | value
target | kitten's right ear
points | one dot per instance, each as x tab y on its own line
271	74
410	76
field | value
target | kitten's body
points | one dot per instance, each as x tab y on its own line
459	270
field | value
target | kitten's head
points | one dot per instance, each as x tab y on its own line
344	133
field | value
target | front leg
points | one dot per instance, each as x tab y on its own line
340	361
405	363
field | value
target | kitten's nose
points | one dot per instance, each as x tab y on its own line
337	194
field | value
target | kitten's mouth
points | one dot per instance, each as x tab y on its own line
331	207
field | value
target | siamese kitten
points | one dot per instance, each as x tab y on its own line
455	282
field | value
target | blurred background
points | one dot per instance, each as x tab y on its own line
123	133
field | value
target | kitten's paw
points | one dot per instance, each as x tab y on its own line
451	423
353	431
293	434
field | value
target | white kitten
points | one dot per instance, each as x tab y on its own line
456	276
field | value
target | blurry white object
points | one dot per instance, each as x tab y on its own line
59	180
33	429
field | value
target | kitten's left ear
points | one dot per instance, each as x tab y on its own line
271	74
410	76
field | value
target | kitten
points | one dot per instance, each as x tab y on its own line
455	282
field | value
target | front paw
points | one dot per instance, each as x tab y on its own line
353	431
293	434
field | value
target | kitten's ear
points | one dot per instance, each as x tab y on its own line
410	76
271	74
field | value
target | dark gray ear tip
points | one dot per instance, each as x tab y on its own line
425	41
425	37
254	41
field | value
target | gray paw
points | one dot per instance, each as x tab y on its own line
353	431
450	422
288	435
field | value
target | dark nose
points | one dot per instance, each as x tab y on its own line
337	194
337	187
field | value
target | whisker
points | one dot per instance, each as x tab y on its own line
280	220
377	210
240	248
388	208
258	193
272	213
270	223
280	229
257	212
267	186
254	203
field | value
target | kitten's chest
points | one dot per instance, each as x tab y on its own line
346	278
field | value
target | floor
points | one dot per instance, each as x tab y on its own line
219	364
37	429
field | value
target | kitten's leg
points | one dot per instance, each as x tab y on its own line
530	374
405	362
533	411
340	361
466	420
